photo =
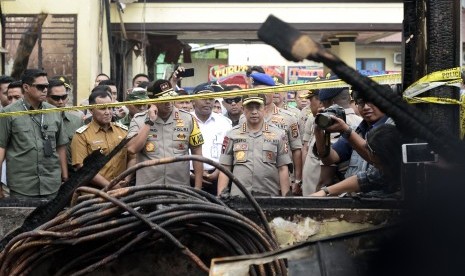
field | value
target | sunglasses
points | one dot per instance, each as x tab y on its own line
58	97
231	100
39	86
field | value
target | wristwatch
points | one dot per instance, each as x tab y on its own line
346	133
325	189
149	122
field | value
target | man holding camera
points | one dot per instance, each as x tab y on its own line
360	176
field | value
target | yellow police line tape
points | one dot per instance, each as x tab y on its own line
382	79
449	74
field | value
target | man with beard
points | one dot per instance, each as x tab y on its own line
165	131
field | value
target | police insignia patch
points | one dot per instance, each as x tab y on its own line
240	156
179	123
181	136
149	147
294	130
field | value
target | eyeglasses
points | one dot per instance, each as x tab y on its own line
231	100
362	103
58	97
40	86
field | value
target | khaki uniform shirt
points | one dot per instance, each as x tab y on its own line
92	137
166	139
256	157
312	168
293	110
286	121
304	114
29	171
71	123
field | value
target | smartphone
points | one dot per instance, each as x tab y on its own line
189	72
418	153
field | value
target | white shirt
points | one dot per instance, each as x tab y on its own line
213	131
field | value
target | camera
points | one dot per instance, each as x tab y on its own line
324	120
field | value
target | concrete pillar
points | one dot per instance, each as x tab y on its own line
347	51
327	46
334	45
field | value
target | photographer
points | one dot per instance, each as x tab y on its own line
360	176
336	101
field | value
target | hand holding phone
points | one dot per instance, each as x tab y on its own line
189	72
418	153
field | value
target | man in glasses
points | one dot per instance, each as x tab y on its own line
258	153
360	176
233	105
34	145
57	95
165	131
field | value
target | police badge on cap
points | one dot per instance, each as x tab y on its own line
160	89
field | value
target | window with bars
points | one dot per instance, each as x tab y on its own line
52	45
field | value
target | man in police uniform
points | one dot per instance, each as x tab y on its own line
311	166
101	134
280	98
34	145
164	131
258	151
286	121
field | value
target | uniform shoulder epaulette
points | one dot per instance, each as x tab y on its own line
285	111
120	125
82	129
140	114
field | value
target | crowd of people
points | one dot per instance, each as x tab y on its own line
272	147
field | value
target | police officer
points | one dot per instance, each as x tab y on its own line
34	145
101	134
258	151
164	131
286	121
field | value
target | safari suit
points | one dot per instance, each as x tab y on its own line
92	137
166	139
256	157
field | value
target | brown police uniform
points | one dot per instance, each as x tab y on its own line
171	138
304	114
293	110
92	137
256	157
286	121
